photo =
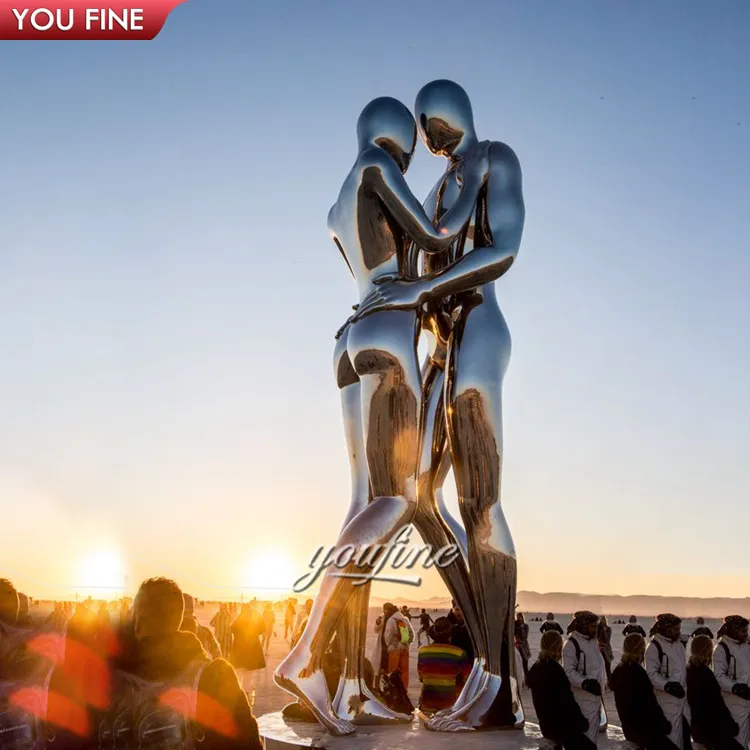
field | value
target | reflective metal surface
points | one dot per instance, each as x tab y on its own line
405	428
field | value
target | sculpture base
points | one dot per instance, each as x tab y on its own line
281	734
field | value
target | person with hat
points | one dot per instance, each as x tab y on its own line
584	667
642	720
442	668
560	718
666	665
711	722
732	669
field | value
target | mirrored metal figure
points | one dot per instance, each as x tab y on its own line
406	426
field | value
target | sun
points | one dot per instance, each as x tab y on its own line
102	573
269	572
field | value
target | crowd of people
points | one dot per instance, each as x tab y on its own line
671	689
146	674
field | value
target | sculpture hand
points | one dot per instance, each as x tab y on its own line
392	294
349	320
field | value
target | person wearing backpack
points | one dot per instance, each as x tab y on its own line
173	692
666	665
642	720
732	669
711	723
397	637
584	666
560	718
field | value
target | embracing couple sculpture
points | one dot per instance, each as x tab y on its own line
423	269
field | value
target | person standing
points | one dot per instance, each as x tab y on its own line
442	669
711	723
633	627
521	632
560	718
702	629
550	625
221	622
584	666
425	623
643	722
290	615
397	637
247	654
269	620
666	665
604	638
732	669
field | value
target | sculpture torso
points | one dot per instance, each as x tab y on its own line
367	236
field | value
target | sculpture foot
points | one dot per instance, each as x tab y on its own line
491	708
355	702
312	691
473	689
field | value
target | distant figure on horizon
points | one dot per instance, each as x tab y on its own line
560	717
702	629
442	668
732	669
549	625
584	667
666	664
425	623
711	722
641	718
56	619
633	627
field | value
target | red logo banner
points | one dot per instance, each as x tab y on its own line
82	19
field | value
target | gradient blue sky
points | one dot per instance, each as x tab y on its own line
169	293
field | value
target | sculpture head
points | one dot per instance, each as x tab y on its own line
445	119
387	123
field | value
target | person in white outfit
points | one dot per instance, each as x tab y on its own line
584	667
666	665
732	670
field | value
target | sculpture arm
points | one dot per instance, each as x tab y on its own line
505	215
386	179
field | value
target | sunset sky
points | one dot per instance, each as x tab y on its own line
169	292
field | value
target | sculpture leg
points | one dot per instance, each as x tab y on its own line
382	348
354	701
438	528
477	361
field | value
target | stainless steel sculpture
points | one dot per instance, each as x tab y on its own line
406	428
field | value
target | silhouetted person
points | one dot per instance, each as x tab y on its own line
521	634
164	653
711	722
559	715
425	623
549	625
289	617
247	652
221	622
633	627
460	634
604	638
702	629
642	720
191	625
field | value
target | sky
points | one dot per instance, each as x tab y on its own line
169	291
